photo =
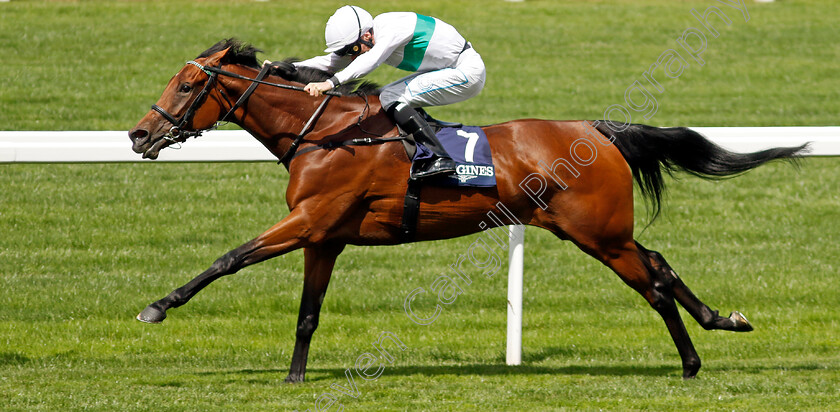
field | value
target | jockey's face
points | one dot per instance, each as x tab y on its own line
364	47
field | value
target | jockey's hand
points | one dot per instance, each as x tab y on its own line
316	89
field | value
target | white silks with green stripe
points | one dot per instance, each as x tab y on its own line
405	40
416	48
444	71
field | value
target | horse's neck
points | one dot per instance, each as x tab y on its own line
275	116
268	109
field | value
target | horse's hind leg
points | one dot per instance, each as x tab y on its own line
627	261
705	316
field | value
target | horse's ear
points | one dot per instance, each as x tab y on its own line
217	58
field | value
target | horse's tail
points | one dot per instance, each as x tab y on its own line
648	150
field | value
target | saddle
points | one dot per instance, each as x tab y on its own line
470	149
437	125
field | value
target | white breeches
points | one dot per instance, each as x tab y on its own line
439	87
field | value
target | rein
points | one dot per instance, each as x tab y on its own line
259	80
177	134
290	153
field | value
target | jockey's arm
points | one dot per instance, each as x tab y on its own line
366	62
360	66
329	63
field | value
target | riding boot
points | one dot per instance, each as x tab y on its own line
413	123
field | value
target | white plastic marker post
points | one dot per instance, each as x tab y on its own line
514	307
239	146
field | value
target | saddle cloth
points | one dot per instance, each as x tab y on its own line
470	150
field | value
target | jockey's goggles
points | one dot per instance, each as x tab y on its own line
353	49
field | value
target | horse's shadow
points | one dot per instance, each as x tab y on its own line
498	368
315	374
501	369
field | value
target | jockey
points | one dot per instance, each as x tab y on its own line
446	68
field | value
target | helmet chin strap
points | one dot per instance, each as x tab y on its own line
359	22
365	42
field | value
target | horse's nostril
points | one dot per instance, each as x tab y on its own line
138	134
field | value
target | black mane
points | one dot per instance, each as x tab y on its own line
245	54
240	53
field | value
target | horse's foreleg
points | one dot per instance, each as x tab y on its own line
318	265
285	236
705	316
628	264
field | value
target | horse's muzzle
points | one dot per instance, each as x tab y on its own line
143	142
139	139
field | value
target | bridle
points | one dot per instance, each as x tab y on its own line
177	131
178	134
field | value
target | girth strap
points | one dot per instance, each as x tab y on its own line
362	141
411	211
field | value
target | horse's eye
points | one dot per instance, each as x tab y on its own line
185	88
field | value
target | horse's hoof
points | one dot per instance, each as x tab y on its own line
690	369
740	322
294	379
151	315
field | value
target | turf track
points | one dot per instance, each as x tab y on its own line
84	247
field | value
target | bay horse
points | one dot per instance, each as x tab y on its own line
354	194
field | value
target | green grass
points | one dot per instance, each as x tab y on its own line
88	246
99	65
85	247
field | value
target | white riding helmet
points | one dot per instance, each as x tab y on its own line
346	26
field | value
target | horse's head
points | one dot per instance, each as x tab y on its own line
184	109
194	100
